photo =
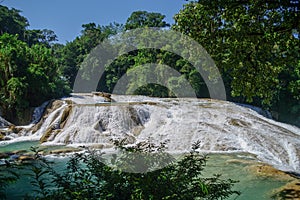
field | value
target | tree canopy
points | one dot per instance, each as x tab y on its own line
29	71
74	52
12	22
251	41
140	19
255	44
29	76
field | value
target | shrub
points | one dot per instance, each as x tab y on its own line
160	177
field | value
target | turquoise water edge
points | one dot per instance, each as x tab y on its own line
234	166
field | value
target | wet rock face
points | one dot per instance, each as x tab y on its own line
289	191
219	125
2	135
102	97
265	170
24	158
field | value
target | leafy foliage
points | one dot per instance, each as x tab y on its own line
87	177
139	19
154	72
251	41
29	71
255	45
29	76
12	22
74	52
8	175
45	36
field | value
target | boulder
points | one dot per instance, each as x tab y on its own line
14	157
4	155
106	96
65	116
46	135
19	152
15	129
2	135
266	170
289	191
64	150
26	158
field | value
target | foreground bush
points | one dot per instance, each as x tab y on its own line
87	177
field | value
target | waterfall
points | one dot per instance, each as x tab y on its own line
38	112
220	126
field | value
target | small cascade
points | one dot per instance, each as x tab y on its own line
83	120
51	121
259	110
38	112
97	125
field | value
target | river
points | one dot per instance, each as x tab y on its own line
233	135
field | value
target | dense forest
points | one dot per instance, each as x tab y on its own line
255	45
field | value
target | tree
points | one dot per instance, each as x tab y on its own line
88	177
45	36
28	77
12	22
153	72
74	52
13	63
123	64
252	42
8	175
139	19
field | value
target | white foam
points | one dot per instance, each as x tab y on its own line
220	126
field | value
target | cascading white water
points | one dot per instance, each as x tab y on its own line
38	113
220	126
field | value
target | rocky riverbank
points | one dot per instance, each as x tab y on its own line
291	190
24	156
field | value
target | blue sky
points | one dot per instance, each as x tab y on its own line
65	17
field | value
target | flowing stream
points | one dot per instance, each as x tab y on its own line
222	127
236	166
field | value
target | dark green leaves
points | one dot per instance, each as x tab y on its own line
29	76
87	177
140	19
251	42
